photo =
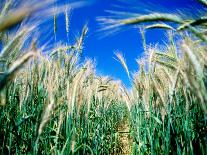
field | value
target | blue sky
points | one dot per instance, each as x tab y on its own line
127	41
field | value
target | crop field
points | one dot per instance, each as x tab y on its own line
52	101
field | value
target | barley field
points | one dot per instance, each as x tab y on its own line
54	102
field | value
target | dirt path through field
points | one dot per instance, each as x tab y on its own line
126	141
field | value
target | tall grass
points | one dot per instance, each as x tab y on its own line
56	104
168	97
58	108
169	112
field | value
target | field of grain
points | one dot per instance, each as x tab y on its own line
52	102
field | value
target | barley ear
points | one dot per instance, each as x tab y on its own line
17	65
123	62
204	2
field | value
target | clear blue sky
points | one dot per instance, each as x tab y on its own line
127	41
